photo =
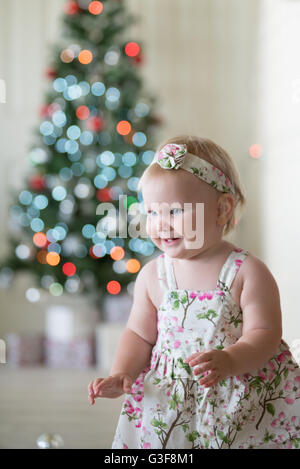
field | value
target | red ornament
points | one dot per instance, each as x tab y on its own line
103	195
44	111
95	124
139	59
37	183
50	73
72	8
92	254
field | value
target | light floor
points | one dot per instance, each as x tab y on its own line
40	400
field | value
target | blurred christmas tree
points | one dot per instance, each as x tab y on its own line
92	145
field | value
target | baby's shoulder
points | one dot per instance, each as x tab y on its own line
254	268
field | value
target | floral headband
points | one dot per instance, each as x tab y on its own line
174	156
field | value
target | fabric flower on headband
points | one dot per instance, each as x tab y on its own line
175	155
171	156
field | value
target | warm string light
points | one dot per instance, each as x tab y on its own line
255	151
132	49
85	57
95	8
113	287
123	127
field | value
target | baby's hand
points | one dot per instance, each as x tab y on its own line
215	363
111	387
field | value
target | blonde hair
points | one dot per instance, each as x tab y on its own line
214	154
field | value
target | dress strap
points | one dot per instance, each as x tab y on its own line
231	268
161	272
170	272
165	272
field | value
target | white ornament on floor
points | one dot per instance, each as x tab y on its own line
50	441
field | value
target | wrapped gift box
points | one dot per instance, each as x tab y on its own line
117	308
74	353
107	338
68	323
25	349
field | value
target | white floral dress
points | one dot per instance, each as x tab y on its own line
168	408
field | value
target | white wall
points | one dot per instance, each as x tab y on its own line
279	121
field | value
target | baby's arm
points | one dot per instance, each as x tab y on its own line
135	346
262	327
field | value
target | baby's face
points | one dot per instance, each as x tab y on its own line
181	213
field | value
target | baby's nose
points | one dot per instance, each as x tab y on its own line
164	224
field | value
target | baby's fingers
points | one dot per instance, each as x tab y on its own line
96	385
194	355
91	393
127	384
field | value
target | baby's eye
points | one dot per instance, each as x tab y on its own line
177	211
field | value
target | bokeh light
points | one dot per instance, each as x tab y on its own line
113	287
117	253
132	49
53	258
133	266
85	57
95	8
82	112
40	240
69	269
255	150
123	127
41	256
56	289
33	295
67	56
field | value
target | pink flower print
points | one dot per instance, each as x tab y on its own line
180	329
138	397
261	375
177	344
227	182
139	424
193	294
238	250
278	422
297	379
289	400
162	255
205	295
288	385
281	357
171	334
238	263
147	445
174	318
125	446
271	365
220	293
